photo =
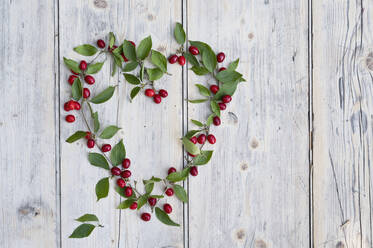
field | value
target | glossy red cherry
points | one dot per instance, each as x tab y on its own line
71	104
126	163
173	59
145	216
67	106
163	93
181	60
121	183
167	208
220	57
126	174
201	139
86	93
71	79
194	171
77	105
169	192
90	143
149	92
193	139
226	99
171	170
88	135
214	89
89	79
115	171
70	118
101	44
128	191
216	121
222	69
193	50
152	201
133	206
83	65
106	148
157	98
222	106
211	139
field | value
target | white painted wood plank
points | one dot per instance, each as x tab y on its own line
343	111
28	213
254	192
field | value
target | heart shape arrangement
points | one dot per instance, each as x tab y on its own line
127	58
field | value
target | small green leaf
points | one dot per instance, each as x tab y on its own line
76	89
203	158
144	48
131	79
228	76
179	33
109	132
102	188
197	123
72	65
142	72
86	50
118	60
200	45
157	196
126	204
149	187
94	68
142	201
134	92
96	123
118	153
203	90
82	231
129	50
209	58
210	119
215	108
87	217
180	193
200	70
178	176
164	218
191	133
154	73
233	66
104	95
191	59
111	39
120	191
198	101
130	66
190	147
114	68
226	89
76	136
98	160
159	60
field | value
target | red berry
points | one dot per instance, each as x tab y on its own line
73	72
126	174
145	216
115	171
193	139
106	148
216	121
171	170
88	135
133	43
77	105
169	192
89	79
71	104
86	93
128	191
121	183
149	92
70	118
214	89
201	139
71	79
173	59
90	143
193	50
194	171
222	106
220	57
167	208
226	99
133	206
211	138
67	106
83	65
181	60
152	201
157	99
222	69
126	163
163	93
191	155
101	44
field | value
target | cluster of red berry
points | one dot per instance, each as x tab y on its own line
102	43
157	98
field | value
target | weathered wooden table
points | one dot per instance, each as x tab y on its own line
293	170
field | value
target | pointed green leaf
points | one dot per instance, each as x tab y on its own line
134	92
197	123
203	158
86	50
215	108
226	89
118	153
144	48
111	39
96	123
210	119
179	33
98	160
200	45
76	136
104	95
149	187
164	218
109	132
87	217
129	50
102	188
200	70
159	60
233	66
72	65
154	73
191	133
228	76
76	89
142	72
157	196
203	90
126	204
130	66
190	147
94	68
82	231
178	176
198	100
180	193
131	79
142	201
191	59
209	59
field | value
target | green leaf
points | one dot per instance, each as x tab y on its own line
209	58
178	176
233	66
203	158
134	92
164	218
228	76
190	147
215	107
157	196
87	217
210	119
226	89
191	133
104	95
200	45
197	123
159	60
102	188
200	70
179	33
203	90
94	68
86	50
142	72
118	60
191	59
72	65
180	193
111	39
198	101
154	73
129	50
76	89
131	79
76	136
149	187
109	132
130	66
114	68
118	153
98	160
82	231
144	48
96	123
126	204
142	201
120	191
